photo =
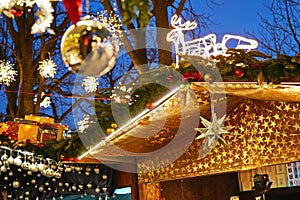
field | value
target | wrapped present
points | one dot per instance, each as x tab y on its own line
52	131
28	131
3	127
36	129
39	119
11	130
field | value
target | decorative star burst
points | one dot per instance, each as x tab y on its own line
47	68
90	84
212	133
7	73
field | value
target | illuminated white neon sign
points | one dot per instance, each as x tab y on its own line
205	46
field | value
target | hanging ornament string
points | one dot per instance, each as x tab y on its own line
87	7
74	9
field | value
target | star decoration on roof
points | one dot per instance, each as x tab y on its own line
212	133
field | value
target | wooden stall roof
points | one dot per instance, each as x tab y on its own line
266	129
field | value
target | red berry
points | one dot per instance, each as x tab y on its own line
150	105
16	12
239	72
40	145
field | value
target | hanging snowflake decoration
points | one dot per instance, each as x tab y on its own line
84	123
212	133
45	17
15	8
47	68
7	73
122	94
46	100
90	84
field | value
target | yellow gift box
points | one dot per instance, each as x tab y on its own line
39	119
28	131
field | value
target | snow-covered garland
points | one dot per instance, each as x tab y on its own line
12	8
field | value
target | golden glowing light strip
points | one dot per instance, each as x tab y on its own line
129	123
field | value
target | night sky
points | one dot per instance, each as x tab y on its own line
237	16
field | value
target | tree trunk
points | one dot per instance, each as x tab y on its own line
162	21
23	40
12	97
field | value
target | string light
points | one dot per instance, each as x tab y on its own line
110	21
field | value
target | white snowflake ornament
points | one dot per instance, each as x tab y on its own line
46	101
212	133
90	84
7	73
45	17
47	68
84	123
44	12
122	94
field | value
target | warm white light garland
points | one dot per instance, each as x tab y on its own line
21	160
110	21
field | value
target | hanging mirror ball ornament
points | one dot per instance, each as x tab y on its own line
89	48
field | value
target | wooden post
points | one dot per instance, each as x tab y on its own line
134	184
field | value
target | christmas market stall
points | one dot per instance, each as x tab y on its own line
27	172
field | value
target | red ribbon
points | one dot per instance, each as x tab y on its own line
66	159
74	9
